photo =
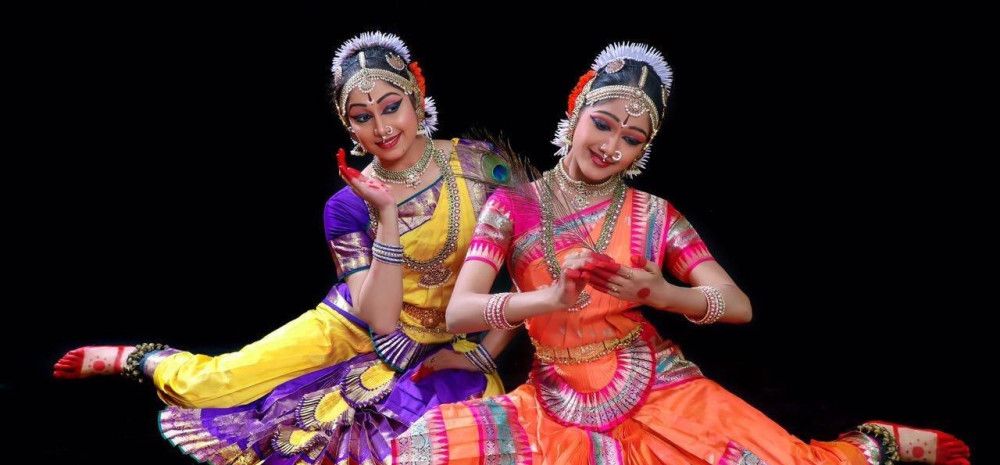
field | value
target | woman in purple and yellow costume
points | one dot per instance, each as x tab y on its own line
339	382
604	387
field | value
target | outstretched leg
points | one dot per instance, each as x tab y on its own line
317	339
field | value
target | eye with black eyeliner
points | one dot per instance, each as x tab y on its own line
362	118
392	107
600	124
632	140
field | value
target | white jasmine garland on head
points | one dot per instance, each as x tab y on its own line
367	40
636	52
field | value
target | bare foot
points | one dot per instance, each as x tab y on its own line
927	445
89	361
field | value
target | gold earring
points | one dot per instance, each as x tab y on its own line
358	150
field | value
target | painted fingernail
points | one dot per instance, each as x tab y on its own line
341	158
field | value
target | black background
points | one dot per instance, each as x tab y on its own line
177	160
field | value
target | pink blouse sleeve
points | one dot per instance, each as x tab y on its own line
492	237
683	246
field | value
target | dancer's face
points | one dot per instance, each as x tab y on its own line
607	139
384	120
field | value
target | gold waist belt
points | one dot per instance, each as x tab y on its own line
428	320
584	353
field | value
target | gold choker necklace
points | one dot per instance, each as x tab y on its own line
582	191
408	177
